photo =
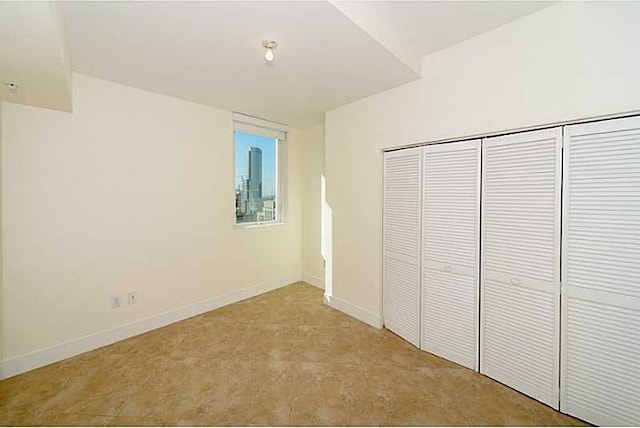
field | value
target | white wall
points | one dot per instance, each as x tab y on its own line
2	320
131	191
313	168
569	61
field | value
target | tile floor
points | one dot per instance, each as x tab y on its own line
282	358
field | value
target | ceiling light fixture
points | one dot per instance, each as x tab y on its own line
269	45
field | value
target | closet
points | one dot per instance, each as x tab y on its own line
401	237
450	242
601	272
520	303
519	256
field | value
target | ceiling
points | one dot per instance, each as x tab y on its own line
33	55
413	29
330	52
211	53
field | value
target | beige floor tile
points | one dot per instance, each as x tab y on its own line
273	310
329	394
275	297
66	420
392	384
105	390
418	412
25	393
161	342
129	421
489	403
326	345
268	342
296	292
179	391
236	313
245	393
283	358
282	314
406	396
28	419
18	418
323	315
34	391
545	415
210	338
266	400
381	347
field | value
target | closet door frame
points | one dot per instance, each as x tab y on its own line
449	147
557	246
401	257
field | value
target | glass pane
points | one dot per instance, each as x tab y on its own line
256	179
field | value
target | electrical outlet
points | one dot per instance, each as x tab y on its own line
133	297
116	301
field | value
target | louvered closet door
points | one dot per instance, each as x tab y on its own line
450	254
401	243
520	287
601	273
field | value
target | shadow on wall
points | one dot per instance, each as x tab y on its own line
325	238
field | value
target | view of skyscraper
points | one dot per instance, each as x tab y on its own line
255	183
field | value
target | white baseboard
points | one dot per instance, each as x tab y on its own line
313	280
357	312
42	357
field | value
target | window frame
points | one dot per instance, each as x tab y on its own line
246	124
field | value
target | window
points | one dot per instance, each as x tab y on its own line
258	182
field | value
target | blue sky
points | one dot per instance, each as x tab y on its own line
243	143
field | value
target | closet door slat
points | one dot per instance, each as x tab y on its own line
600	369
401	242
450	250
520	285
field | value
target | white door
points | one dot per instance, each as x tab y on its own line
450	250
401	243
601	272
520	268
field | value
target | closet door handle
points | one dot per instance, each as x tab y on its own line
516	281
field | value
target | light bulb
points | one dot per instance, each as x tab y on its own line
269	56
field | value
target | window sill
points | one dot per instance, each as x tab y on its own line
258	225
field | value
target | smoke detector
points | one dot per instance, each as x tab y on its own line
13	87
